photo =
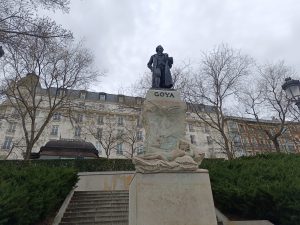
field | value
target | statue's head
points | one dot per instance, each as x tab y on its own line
159	49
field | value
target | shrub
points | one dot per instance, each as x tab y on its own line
30	193
81	165
261	187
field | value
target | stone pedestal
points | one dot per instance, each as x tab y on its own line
182	198
168	188
165	146
164	121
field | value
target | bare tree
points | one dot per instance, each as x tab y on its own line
53	70
17	19
216	84
107	135
267	98
16	147
133	137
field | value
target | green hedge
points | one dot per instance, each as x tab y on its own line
28	194
81	165
261	187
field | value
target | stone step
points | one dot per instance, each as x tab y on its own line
97	205
95	223
78	219
97	209
83	193
100	192
96	214
99	197
99	202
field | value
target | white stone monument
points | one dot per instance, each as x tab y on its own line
168	188
165	146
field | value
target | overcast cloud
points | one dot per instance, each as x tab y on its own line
123	34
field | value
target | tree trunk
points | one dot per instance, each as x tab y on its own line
132	151
227	147
228	152
28	151
276	145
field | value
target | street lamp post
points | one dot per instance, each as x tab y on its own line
1	51
292	89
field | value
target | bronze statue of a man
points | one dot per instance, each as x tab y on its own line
160	64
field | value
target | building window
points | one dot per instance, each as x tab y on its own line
119	148
62	92
140	149
232	125
211	153
120	121
245	141
209	140
54	130
139	135
102	97
15	113
79	118
82	95
138	122
237	139
99	132
11	127
98	147
100	120
7	143
120	133
56	116
81	105
191	128
121	98
138	100
206	129
242	128
289	146
77	131
193	139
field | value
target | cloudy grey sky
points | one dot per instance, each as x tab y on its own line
123	34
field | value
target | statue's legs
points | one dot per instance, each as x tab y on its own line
156	78
155	82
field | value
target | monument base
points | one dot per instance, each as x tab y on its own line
179	198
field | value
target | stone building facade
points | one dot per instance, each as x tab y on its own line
96	116
249	138
115	121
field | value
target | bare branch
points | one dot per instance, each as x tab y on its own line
268	98
216	82
53	72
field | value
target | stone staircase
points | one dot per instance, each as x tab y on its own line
97	207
